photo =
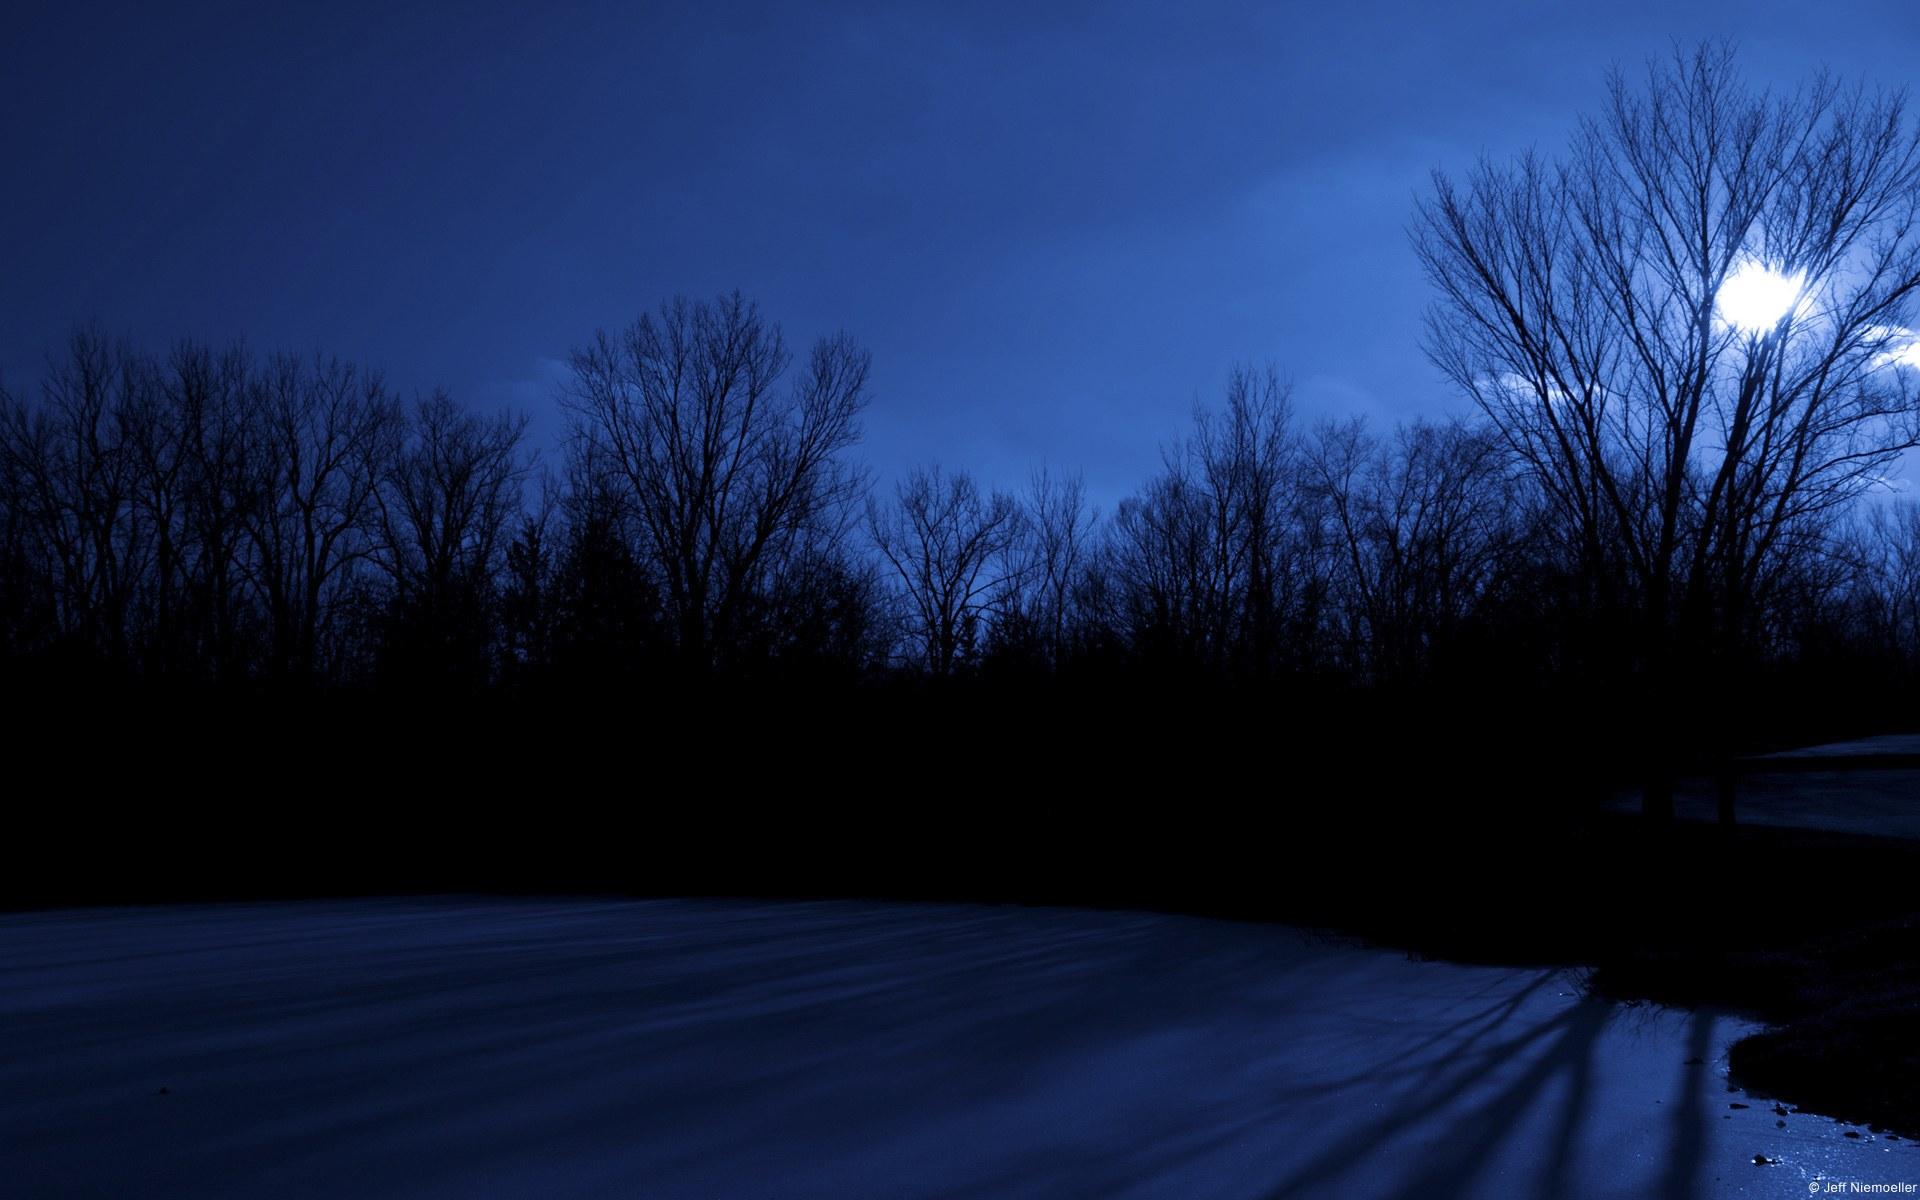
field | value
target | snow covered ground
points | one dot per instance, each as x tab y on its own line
468	1048
1885	747
1882	803
1867	786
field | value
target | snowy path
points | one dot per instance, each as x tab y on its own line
711	1049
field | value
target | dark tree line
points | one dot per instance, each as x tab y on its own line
1654	511
211	517
208	517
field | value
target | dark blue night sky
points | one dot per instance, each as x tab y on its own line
1055	228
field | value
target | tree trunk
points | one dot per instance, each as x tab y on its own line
1656	797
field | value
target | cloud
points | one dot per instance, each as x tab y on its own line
531	390
1518	387
1900	346
1906	356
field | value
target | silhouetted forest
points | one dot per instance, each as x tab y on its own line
1659	536
212	520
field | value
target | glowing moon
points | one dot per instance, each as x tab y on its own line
1755	297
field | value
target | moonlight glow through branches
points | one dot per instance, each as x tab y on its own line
1755	298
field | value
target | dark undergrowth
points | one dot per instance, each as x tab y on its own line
1443	839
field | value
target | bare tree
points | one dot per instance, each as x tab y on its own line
443	510
526	595
1215	562
1685	328
1885	591
946	543
74	470
725	472
211	395
1048	554
323	433
1424	524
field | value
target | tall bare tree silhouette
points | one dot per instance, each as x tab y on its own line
947	543
325	432
444	507
1217	562
724	466
1597	308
